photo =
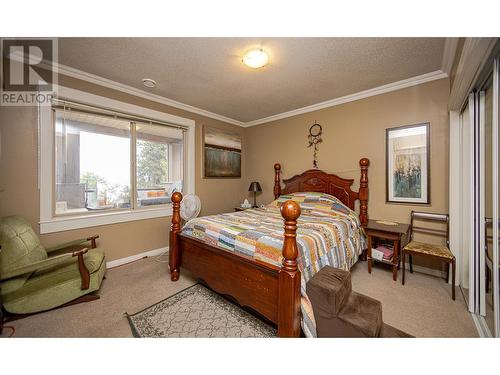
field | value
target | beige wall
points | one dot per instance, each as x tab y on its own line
352	131
18	178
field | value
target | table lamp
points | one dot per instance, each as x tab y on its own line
255	187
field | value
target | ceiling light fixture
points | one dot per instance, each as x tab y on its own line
148	82
255	58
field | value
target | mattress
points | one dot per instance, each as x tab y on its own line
328	233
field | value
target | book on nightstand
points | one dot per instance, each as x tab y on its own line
387	251
377	254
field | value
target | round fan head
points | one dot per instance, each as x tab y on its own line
190	206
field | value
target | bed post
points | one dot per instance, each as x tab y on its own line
277	183
289	275
173	251
363	191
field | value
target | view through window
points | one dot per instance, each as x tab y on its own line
96	170
159	164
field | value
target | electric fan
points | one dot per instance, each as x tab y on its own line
190	207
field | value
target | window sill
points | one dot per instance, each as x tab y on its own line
59	224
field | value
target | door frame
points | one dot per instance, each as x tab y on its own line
495	192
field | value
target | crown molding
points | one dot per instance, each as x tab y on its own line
450	49
475	55
418	80
92	78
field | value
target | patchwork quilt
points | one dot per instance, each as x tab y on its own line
328	233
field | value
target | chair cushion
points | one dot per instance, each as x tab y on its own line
20	247
440	251
55	286
20	244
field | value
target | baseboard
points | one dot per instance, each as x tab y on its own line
481	326
132	258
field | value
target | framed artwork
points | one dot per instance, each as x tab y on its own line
222	149
408	164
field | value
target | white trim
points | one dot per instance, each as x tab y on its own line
133	258
473	287
474	55
116	105
414	81
481	326
454	204
495	191
481	142
92	78
450	50
50	224
63	223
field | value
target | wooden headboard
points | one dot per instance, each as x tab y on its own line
319	181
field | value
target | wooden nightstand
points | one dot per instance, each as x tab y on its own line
377	230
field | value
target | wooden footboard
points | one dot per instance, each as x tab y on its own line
272	291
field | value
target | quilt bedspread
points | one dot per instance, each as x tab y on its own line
328	233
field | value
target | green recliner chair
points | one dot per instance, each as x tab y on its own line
34	279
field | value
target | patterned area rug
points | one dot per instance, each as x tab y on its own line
197	312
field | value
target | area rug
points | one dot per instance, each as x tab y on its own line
197	312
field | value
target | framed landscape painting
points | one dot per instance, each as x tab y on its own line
222	150
408	165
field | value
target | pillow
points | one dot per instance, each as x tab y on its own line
313	201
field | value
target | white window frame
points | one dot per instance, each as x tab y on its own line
49	223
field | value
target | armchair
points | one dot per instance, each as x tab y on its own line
34	278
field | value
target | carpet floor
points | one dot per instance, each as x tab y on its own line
423	307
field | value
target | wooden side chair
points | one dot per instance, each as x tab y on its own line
440	252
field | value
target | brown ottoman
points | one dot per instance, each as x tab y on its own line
340	312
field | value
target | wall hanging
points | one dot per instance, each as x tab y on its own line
408	164
314	138
222	153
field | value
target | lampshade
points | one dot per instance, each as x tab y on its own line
255	186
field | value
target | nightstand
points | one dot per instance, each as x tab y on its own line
388	231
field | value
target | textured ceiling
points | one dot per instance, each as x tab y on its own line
208	73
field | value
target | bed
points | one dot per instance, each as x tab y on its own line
239	254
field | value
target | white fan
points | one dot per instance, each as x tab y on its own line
190	207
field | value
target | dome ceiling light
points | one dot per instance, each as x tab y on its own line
255	58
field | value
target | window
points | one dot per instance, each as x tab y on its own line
158	164
94	164
101	164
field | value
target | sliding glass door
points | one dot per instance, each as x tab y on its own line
466	172
480	208
494	260
486	125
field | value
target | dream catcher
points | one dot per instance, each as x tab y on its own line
314	138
